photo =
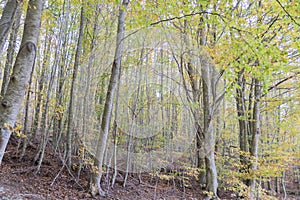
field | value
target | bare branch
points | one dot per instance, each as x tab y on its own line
188	15
282	81
290	16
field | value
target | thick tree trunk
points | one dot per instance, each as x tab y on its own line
7	20
11	102
208	129
106	117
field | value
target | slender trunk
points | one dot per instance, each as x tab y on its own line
242	116
85	104
243	121
62	63
200	153
283	185
194	81
7	20
255	133
10	52
11	102
45	107
25	126
133	116
72	92
41	82
98	161
115	132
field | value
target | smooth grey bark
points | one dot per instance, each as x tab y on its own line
72	92
11	102
106	117
207	83
208	76
11	51
210	79
255	132
7	20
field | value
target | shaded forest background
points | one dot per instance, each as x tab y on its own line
200	97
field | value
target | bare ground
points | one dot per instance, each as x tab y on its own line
18	181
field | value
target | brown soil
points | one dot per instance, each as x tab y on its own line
18	181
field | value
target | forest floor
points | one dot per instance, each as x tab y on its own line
19	182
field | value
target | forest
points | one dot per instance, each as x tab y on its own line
150	99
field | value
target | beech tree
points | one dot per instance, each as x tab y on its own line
7	20
10	103
106	117
11	51
166	116
72	92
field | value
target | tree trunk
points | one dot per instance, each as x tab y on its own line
208	129
7	20
44	124
11	102
27	115
62	63
40	89
243	121
106	117
242	116
11	52
72	92
115	136
255	133
86	86
194	81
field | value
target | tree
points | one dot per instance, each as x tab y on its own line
72	92
11	51
255	131
106	117
209	84
11	102
7	20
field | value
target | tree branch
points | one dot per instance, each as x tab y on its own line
282	81
188	15
290	16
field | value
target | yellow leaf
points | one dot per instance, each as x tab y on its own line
18	127
9	127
